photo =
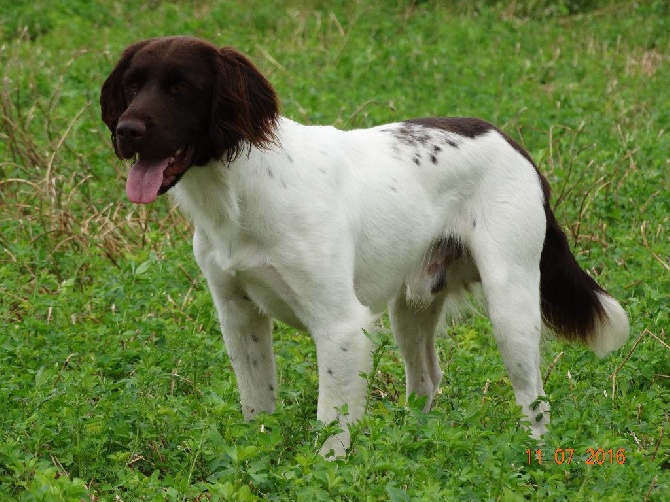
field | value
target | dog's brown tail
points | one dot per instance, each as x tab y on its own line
574	306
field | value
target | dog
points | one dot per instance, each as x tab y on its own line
325	229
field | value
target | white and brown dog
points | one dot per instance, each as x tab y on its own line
323	229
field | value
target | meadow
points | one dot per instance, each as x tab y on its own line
114	382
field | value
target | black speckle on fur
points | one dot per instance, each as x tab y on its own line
432	134
412	136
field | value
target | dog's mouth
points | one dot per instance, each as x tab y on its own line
149	178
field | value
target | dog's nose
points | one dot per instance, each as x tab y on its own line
130	130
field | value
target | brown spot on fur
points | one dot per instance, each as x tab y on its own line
463	126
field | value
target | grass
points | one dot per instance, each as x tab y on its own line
114	381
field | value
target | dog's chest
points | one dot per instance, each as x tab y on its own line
248	270
267	289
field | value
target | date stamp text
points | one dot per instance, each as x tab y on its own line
565	456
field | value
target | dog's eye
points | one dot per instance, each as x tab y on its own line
131	87
180	87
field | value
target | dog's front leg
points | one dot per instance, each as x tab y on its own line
344	358
247	334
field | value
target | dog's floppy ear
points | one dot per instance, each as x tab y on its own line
244	106
112	101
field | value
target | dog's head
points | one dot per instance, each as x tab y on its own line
177	102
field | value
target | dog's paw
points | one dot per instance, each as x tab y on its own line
336	446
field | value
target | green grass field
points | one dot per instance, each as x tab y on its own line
114	383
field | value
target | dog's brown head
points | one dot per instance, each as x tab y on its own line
176	102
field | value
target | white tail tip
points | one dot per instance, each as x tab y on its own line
612	332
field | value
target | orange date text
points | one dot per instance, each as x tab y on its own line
565	456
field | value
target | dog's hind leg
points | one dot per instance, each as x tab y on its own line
414	327
510	277
514	309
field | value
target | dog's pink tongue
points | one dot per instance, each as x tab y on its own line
144	180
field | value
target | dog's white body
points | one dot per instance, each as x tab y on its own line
323	229
327	228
